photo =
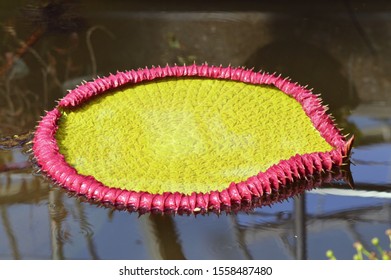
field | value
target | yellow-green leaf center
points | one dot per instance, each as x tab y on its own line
186	135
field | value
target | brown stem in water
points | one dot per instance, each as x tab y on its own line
90	48
16	141
24	47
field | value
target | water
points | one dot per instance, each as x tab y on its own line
342	51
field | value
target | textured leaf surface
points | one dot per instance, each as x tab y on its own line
185	134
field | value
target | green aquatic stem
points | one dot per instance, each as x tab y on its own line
382	253
330	255
363	253
361	250
388	233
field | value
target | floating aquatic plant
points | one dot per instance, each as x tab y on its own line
186	139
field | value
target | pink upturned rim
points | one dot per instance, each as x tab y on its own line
53	164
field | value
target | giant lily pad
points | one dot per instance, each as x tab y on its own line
186	138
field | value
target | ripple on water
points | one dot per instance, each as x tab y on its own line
372	164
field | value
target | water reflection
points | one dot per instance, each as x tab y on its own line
81	230
322	47
87	230
9	233
166	237
57	213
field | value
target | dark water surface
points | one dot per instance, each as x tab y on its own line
341	50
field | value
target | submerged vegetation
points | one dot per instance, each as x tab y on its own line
52	40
